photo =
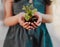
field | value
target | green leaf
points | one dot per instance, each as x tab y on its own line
30	10
34	10
27	17
31	6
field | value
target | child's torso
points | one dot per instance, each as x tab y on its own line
39	4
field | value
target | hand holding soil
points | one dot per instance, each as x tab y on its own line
32	16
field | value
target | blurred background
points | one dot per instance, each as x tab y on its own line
53	28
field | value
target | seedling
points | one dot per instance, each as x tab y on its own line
29	13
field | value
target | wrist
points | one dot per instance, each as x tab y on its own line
41	17
17	17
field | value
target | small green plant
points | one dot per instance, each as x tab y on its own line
30	10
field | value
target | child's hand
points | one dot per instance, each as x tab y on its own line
38	23
22	22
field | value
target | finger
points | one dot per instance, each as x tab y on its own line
37	24
38	15
26	26
26	23
29	27
38	18
33	25
38	21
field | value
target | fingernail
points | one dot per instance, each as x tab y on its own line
29	22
